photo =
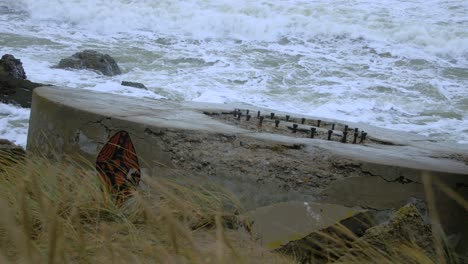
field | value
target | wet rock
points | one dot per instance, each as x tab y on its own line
14	88
10	153
12	67
92	60
134	84
16	91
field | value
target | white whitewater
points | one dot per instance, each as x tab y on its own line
394	64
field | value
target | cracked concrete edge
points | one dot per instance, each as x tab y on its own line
142	108
67	127
374	161
393	137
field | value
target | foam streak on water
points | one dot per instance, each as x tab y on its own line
395	64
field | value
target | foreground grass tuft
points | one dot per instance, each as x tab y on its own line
56	212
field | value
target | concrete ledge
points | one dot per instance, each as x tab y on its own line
263	165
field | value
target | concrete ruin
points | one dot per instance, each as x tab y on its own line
263	156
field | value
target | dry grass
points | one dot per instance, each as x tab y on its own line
57	213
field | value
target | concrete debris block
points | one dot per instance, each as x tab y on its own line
405	226
300	229
92	60
403	236
12	67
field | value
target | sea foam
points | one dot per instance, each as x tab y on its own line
394	64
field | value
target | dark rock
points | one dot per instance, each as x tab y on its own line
134	84
12	67
17	91
10	153
93	60
14	88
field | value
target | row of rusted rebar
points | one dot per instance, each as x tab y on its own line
238	114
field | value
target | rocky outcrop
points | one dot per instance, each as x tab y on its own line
14	88
134	84
91	60
12	67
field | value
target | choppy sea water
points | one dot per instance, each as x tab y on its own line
394	64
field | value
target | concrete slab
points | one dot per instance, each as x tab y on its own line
278	224
261	164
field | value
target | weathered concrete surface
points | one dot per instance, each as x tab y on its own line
278	224
261	164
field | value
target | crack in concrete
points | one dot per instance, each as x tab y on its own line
99	122
275	147
107	128
401	179
153	133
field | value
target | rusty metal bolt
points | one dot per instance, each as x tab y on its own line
363	136
343	140
294	128
355	137
312	132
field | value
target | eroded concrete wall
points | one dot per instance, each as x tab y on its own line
263	164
